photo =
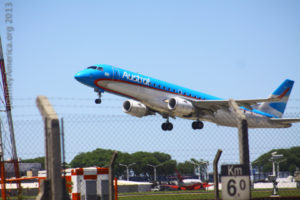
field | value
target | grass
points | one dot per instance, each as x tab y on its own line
190	195
195	195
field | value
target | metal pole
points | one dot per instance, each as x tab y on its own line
10	121
2	167
127	169
116	188
111	175
216	175
154	169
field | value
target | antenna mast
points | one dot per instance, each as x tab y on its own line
9	117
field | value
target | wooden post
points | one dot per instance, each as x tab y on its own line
111	175
216	174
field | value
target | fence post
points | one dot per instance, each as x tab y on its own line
52	143
216	174
111	175
243	137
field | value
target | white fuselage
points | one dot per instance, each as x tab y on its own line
156	100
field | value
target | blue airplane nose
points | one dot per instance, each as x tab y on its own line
82	76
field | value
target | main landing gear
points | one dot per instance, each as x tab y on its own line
167	126
98	101
197	125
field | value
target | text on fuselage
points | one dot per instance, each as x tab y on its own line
136	78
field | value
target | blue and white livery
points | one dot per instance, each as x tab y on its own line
148	96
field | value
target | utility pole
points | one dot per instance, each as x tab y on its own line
127	169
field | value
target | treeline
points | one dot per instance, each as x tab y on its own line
101	158
142	160
291	156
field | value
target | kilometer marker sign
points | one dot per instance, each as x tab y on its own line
235	182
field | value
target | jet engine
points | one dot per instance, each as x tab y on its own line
181	106
135	108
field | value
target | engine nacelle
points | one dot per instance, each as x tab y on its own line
135	108
181	106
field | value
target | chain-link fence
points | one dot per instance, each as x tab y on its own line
143	145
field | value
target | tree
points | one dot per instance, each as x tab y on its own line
186	168
36	160
101	158
291	155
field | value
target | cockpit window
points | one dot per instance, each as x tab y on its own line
100	68
92	67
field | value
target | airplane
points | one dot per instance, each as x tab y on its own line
148	96
184	184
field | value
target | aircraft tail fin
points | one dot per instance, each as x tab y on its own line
179	177
282	92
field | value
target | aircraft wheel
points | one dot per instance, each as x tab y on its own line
97	101
200	125
194	125
197	125
169	126
164	126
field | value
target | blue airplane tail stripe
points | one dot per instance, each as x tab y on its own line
282	92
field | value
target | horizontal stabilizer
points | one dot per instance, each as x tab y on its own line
214	105
285	120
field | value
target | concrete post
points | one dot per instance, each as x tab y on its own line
243	137
216	175
52	143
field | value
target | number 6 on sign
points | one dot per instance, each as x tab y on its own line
235	187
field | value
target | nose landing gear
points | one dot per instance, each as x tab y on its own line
98	100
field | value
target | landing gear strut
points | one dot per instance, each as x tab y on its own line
197	125
167	126
98	101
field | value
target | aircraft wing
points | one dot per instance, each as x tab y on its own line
214	105
285	120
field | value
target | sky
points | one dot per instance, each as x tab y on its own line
229	49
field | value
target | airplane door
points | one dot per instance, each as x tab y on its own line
116	73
